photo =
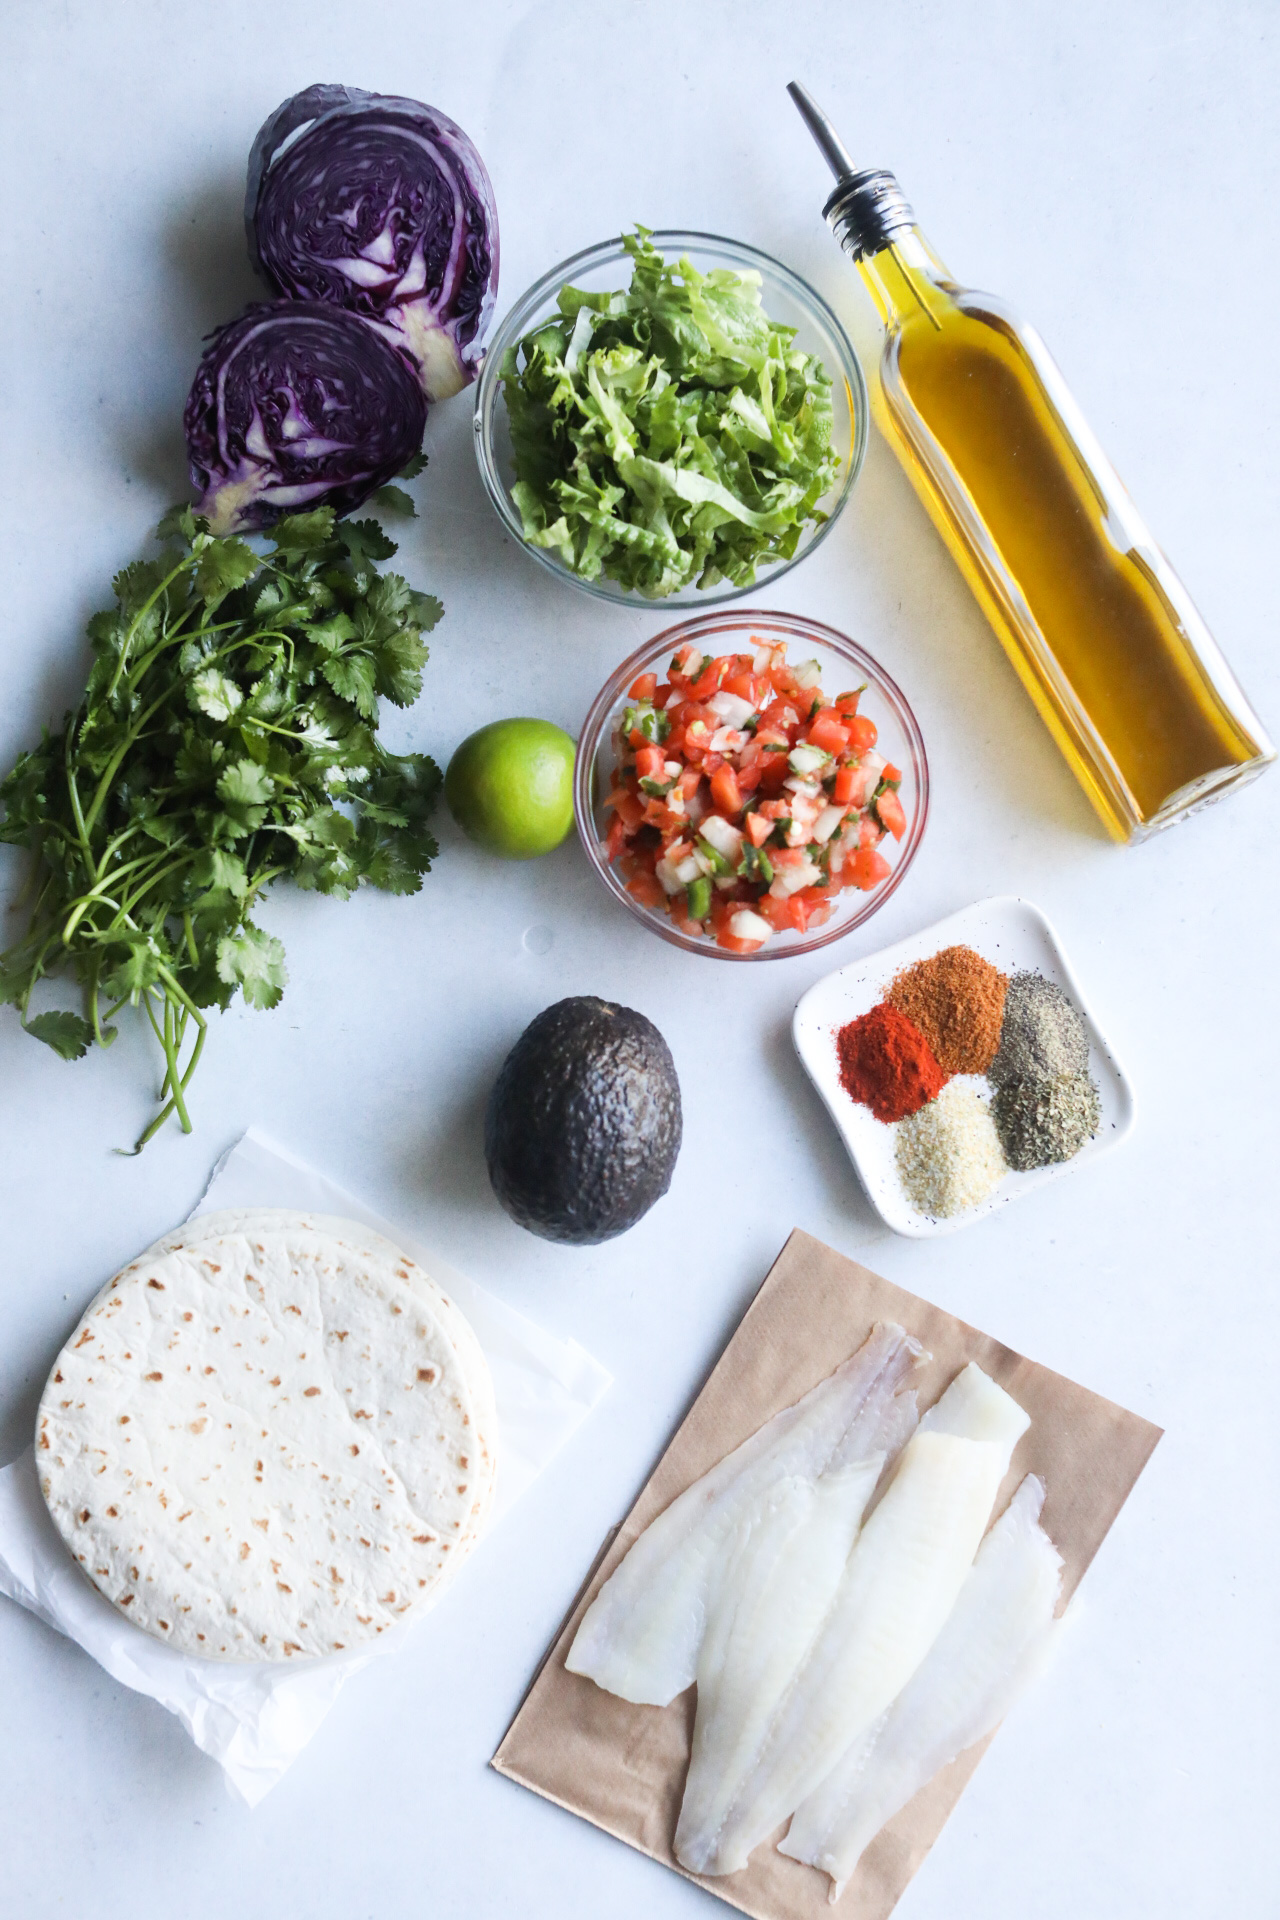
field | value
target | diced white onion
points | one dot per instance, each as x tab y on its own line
668	879
803	789
691	868
826	823
792	879
808	673
745	925
808	759
728	740
732	708
723	836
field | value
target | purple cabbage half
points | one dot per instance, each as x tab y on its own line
383	206
297	404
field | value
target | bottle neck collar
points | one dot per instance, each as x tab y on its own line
866	209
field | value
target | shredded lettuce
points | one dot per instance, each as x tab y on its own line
670	433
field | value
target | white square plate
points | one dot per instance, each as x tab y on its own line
1014	936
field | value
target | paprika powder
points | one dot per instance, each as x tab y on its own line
887	1064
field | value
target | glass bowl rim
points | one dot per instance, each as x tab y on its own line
514	324
593	736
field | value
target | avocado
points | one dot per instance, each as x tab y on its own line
583	1124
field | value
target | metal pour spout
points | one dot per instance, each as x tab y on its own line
829	142
866	206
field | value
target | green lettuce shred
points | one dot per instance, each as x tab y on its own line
670	434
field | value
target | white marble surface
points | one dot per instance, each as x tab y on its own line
1112	171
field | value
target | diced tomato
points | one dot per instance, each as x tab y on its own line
616	838
708	681
869	868
690	781
828	734
636	739
629	809
847	703
780	714
870	832
662	695
889	772
644	688
842	792
658	814
889	807
678	908
862	732
725	791
651	763
759	827
773	771
646	889
749	686
749	777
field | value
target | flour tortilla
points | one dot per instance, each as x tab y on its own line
270	1437
255	1221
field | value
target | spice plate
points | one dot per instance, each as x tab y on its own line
1016	937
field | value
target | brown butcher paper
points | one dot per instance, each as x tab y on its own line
623	1766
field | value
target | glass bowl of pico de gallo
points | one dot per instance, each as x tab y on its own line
751	785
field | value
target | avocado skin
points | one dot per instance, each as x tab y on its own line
583	1124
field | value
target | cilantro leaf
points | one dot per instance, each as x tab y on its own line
66	1033
394	500
223	566
354	676
253	961
364	540
304	532
215	693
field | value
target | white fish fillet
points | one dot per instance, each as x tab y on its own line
776	1593
900	1585
999	1633
641	1634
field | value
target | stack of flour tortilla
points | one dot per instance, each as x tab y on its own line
271	1436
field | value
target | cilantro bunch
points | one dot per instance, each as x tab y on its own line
227	737
670	433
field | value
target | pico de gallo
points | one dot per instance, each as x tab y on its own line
744	798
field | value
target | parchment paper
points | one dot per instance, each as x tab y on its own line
255	1719
623	1766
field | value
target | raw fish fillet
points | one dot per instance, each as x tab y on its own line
641	1634
900	1585
999	1633
779	1583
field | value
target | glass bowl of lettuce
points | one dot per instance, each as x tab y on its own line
672	417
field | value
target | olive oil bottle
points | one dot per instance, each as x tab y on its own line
1100	629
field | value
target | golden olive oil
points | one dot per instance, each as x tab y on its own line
1102	632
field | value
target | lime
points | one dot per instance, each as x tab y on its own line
510	787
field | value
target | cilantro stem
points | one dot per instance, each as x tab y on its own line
114	764
170	1105
182	567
